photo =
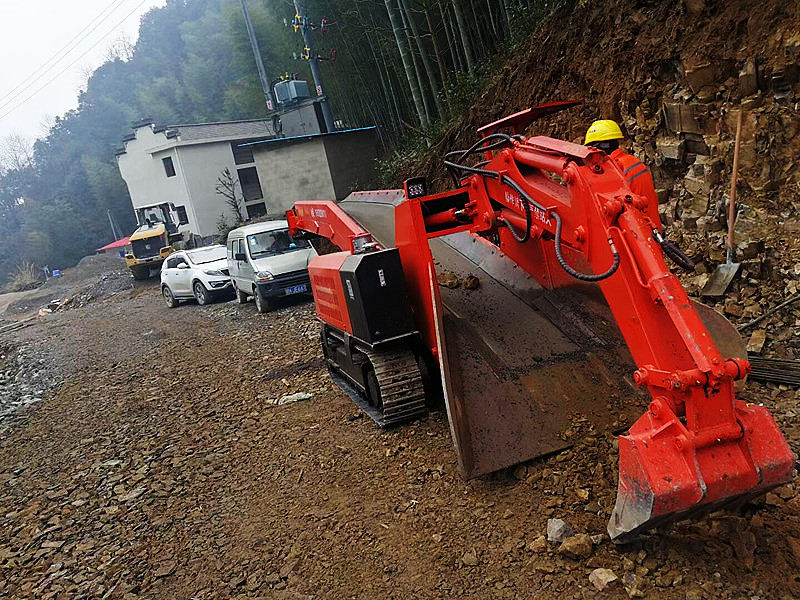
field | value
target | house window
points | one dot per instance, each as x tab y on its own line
242	155
169	168
183	218
251	186
256	210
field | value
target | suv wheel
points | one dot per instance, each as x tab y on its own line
262	304
200	293
169	297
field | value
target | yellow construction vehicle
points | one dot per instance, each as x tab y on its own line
151	242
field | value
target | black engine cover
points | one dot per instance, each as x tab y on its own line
376	295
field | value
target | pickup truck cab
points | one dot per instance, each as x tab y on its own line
265	262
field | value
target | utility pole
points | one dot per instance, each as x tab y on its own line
257	54
113	229
313	62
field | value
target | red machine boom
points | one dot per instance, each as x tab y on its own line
563	212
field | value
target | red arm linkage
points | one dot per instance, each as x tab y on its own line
599	214
326	219
696	444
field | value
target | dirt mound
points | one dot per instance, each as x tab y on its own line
97	276
89	267
627	60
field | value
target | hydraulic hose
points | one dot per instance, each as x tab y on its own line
452	167
674	252
576	274
527	201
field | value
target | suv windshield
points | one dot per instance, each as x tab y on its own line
269	243
206	255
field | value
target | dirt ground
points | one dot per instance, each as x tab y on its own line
161	467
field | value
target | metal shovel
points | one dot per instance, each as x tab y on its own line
724	274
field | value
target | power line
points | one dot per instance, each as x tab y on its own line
62	71
69	43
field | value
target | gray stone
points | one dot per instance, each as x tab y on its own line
557	531
289	398
670	148
598	539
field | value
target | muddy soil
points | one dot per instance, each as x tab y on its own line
161	467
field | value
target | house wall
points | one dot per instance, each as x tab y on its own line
202	164
144	174
293	170
351	157
319	168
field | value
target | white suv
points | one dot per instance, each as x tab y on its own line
201	274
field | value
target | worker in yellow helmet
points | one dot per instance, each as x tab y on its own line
606	135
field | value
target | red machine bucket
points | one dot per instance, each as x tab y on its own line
665	475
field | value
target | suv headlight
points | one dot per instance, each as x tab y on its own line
264	276
214	273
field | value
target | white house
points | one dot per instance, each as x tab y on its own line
181	164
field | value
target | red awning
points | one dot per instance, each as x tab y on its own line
120	243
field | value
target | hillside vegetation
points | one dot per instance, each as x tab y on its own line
429	73
399	64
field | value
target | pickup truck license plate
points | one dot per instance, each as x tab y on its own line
297	289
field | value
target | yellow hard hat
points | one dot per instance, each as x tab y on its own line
603	130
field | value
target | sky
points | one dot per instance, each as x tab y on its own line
32	32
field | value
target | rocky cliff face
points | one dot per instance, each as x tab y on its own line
675	75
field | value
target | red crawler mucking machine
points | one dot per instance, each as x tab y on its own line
545	224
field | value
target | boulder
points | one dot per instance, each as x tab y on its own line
697	186
748	79
699	76
694	7
671	148
681	118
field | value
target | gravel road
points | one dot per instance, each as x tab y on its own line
158	465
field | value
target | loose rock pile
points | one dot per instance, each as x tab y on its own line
686	133
22	380
107	285
94	277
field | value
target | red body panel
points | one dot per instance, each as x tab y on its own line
328	291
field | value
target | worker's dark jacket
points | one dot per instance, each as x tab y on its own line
640	181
